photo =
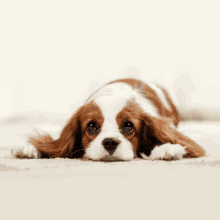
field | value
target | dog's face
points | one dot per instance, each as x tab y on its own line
110	129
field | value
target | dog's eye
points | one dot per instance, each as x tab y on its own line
127	127
92	128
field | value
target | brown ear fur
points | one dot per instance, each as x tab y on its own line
161	129
68	145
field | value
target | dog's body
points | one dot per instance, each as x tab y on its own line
122	120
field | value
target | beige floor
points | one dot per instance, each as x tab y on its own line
75	189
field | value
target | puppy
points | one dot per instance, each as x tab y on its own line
122	120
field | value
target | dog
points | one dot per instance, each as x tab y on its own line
123	120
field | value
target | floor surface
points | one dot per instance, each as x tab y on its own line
75	189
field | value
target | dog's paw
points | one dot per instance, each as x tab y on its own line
26	152
168	152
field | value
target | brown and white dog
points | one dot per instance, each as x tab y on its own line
122	120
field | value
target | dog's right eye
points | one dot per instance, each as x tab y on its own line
127	127
92	128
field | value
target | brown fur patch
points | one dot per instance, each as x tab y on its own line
131	113
166	134
90	113
72	139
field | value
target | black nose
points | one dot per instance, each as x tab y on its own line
110	144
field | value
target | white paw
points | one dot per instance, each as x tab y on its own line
168	152
27	151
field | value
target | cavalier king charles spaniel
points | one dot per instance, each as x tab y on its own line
122	120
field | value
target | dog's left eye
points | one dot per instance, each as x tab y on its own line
92	128
127	127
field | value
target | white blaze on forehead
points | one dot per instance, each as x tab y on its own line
110	107
113	97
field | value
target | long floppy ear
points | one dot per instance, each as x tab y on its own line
67	146
157	131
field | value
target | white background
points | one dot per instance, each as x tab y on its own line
54	53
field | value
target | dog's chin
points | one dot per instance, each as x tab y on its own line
107	158
110	158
